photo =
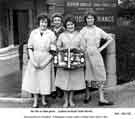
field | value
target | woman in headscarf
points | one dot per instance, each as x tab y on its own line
57	28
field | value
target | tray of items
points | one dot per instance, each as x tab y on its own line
70	58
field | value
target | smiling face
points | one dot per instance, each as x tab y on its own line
43	24
57	22
70	26
90	20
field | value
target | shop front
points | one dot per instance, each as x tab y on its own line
18	18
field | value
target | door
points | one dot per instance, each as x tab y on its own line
20	23
20	29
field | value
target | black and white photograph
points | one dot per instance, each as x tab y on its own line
67	54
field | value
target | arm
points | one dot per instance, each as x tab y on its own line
32	58
109	39
83	43
46	61
52	48
60	42
30	51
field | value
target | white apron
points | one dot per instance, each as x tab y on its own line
39	81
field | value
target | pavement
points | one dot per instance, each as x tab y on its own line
122	95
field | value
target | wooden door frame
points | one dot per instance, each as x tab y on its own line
11	25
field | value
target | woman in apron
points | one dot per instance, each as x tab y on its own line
38	75
69	80
95	73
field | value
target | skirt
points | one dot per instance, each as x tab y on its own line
38	81
95	73
70	79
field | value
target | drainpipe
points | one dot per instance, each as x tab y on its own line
111	63
1	26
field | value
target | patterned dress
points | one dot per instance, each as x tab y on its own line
39	80
70	79
58	31
95	69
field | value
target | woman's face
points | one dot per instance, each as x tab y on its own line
43	23
70	26
90	20
57	22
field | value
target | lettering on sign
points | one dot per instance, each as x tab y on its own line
78	4
79	19
104	4
72	4
105	18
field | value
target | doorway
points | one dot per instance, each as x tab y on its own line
20	25
20	31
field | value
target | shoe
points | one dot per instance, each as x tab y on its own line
35	106
87	100
54	95
46	105
72	105
105	103
65	105
60	94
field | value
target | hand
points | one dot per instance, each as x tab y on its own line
53	48
100	49
35	64
46	62
61	49
90	52
42	66
75	49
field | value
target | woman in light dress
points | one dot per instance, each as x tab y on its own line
38	77
69	80
95	69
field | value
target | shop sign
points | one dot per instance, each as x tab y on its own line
106	10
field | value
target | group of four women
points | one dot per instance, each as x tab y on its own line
42	78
